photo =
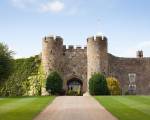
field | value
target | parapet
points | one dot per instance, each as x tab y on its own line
98	38
59	38
85	47
72	47
51	38
90	39
78	47
139	54
64	47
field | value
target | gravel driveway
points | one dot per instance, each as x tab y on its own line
75	108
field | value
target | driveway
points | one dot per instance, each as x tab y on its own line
75	108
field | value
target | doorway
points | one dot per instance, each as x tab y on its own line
74	87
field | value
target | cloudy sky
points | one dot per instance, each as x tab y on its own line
126	23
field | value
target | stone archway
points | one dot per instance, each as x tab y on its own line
74	86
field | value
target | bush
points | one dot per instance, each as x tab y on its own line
54	83
113	86
98	85
127	93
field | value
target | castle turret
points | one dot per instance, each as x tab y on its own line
97	60
139	54
52	53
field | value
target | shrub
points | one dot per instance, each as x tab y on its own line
113	86
54	83
127	93
98	85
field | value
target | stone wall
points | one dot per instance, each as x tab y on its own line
121	67
82	62
52	54
75	65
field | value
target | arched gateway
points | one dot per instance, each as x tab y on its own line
74	86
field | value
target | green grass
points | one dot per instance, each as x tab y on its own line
22	108
127	107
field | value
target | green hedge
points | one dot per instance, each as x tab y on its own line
54	83
98	85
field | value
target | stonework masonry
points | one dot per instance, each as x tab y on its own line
81	63
121	67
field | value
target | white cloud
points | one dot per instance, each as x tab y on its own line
22	3
54	6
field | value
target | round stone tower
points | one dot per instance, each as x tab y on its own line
52	53
97	56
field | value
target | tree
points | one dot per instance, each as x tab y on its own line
98	85
113	86
6	62
25	78
54	83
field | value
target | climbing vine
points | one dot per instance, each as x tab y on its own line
27	78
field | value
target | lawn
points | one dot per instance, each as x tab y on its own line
127	107
22	108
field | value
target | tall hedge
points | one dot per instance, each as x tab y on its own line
54	83
98	85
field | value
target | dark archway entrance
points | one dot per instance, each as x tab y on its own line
74	86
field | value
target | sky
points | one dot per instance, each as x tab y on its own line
126	24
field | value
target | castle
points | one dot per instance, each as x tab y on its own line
76	65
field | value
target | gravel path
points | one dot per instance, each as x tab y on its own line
75	108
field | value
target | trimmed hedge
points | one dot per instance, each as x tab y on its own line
54	83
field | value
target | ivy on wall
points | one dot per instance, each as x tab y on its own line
27	78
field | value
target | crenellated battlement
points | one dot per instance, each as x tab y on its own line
74	47
97	38
97	59
53	39
91	39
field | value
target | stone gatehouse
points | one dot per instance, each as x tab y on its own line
77	64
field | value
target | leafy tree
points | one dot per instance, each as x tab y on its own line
113	86
54	83
6	62
98	85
